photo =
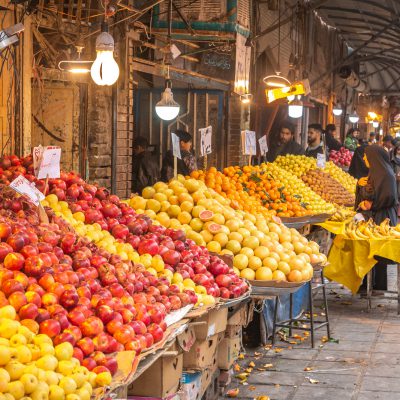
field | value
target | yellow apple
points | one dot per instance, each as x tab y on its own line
72	396
79	379
83	394
51	378
15	369
42	338
23	354
30	382
8	312
5	355
32	369
56	393
16	389
103	379
64	351
4	379
65	367
46	349
47	363
68	385
87	386
17	339
8	328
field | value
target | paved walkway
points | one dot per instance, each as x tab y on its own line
362	364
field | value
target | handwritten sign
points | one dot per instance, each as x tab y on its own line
249	144
263	145
37	157
321	160
50	163
25	187
176	148
205	140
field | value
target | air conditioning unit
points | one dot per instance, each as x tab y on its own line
209	18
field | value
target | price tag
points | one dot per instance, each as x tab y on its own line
176	148
263	145
321	160
50	163
249	146
23	186
205	140
358	217
37	157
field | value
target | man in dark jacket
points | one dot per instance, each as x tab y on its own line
286	144
331	142
145	168
315	145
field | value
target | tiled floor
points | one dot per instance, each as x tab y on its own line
363	365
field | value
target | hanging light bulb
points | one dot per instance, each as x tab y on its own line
337	110
246	98
375	124
295	109
354	118
167	108
77	66
105	70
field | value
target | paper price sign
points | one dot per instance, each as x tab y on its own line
205	140
24	187
176	148
50	163
321	160
263	144
37	157
249	146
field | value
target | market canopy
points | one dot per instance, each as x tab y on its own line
371	30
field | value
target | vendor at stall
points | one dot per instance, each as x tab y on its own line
376	198
286	144
186	164
145	171
330	136
396	169
315	145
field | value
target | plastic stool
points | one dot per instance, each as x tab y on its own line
292	323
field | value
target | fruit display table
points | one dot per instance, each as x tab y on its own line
351	260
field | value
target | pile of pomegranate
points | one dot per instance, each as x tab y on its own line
66	287
341	158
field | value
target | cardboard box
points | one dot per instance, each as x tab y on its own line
210	324
174	396
209	384
187	339
190	385
160	380
240	317
203	354
228	352
233	331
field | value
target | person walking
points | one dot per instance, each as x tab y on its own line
376	198
186	164
330	137
145	170
357	168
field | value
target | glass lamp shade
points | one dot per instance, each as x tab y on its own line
167	108
375	124
295	109
354	118
337	111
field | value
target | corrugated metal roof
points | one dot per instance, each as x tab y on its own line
371	29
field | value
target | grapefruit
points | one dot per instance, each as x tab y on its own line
173	211
263	274
278	276
163	219
295	276
255	262
196	224
252	242
284	267
192	185
153	205
148	192
261	252
219	219
206	215
137	203
160	197
187	206
214	247
207	236
197	210
212	227
232	224
185	197
248	273
184	217
271	263
240	261
247	251
221	238
236	236
234	246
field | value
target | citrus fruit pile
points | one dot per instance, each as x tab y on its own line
261	249
299	189
300	165
270	192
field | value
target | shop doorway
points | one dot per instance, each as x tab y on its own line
199	108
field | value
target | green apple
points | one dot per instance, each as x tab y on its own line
4	379
64	351
17	339
5	355
30	382
46	349
51	378
66	367
47	363
15	369
16	389
56	393
68	385
23	354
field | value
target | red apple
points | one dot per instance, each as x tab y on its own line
50	327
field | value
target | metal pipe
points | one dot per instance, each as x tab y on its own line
114	113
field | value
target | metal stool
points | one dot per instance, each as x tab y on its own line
292	323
